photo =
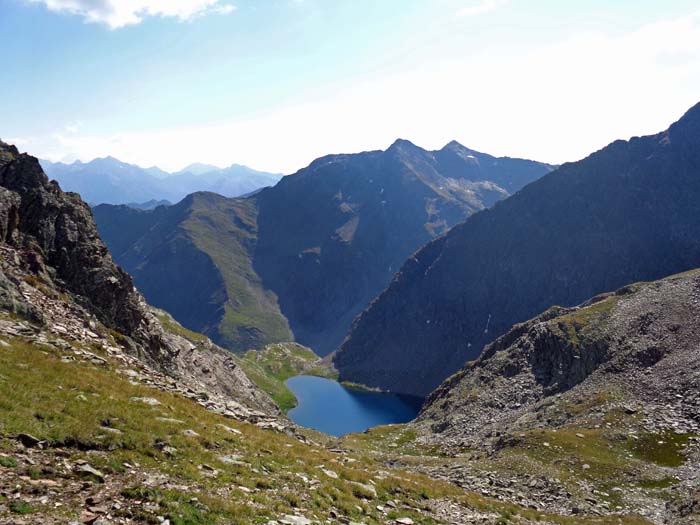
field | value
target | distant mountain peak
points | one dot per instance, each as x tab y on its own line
687	128
453	144
404	144
198	168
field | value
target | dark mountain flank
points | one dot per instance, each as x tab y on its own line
301	259
627	213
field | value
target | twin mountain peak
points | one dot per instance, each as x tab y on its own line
302	259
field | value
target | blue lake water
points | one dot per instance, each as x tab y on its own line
330	407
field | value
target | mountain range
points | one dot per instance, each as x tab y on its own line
300	260
109	180
586	414
629	212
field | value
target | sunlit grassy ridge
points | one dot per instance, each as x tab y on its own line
226	231
171	325
82	407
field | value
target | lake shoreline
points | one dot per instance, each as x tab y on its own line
338	409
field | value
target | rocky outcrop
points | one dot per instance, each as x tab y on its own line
58	238
56	272
627	213
585	410
302	259
639	343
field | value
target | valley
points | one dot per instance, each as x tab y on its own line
300	260
310	262
585	412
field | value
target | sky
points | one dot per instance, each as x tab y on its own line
273	84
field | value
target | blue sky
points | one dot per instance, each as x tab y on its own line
274	84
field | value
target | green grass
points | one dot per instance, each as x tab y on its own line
76	401
251	317
664	449
172	326
20	507
586	320
271	367
662	483
8	462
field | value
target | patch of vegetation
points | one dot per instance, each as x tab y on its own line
271	367
663	449
393	440
172	326
20	507
8	462
662	483
586	320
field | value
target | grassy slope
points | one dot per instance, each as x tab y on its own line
271	367
268	368
72	405
225	230
171	325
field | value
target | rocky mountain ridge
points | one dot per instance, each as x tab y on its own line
626	213
639	342
617	374
300	260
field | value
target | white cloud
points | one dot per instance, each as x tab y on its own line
482	6
224	9
73	127
120	13
555	102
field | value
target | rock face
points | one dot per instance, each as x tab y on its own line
627	213
582	410
57	235
56	272
639	345
302	259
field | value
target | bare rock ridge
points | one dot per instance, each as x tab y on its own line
57	273
606	391
301	259
629	212
640	343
